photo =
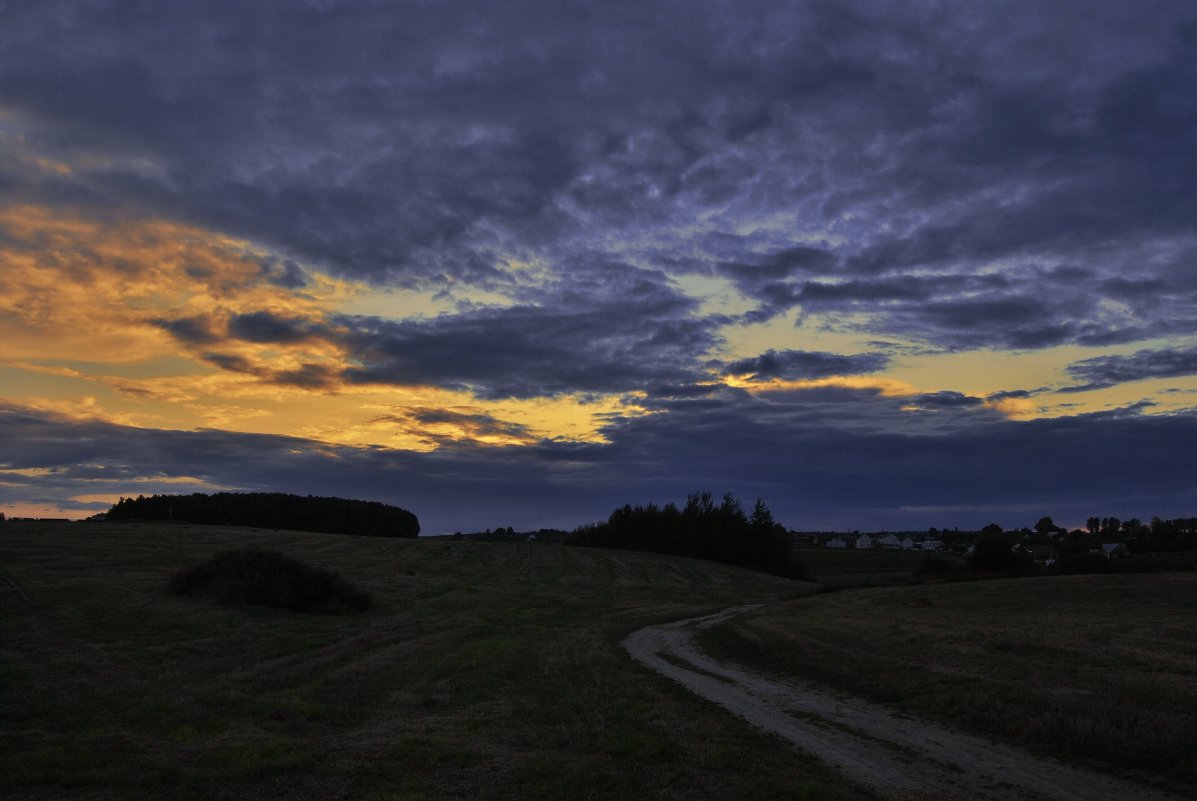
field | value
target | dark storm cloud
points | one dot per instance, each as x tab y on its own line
685	390
954	311
1021	309
611	329
1017	394
1106	371
426	144
307	376
209	340
802	364
829	463
264	327
785	263
311	375
861	293
945	399
489	423
232	362
828	470
463	425
772	279
198	330
632	334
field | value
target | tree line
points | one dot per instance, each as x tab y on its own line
272	510
1157	535
721	532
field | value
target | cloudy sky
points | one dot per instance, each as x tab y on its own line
884	265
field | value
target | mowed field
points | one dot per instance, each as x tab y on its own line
833	567
1100	671
483	671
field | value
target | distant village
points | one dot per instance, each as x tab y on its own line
1045	543
1042	553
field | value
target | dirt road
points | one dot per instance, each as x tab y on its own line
899	757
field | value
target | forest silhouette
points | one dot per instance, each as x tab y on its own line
273	510
721	532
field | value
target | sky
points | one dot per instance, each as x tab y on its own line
884	265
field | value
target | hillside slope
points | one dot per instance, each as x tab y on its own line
483	670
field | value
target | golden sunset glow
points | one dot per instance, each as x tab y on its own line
84	302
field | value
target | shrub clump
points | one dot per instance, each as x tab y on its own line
267	578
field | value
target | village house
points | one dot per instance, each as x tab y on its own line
889	541
835	543
864	541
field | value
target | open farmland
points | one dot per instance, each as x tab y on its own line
481	671
1100	671
849	567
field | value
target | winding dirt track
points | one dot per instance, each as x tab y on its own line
898	757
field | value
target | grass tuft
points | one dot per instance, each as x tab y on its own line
267	578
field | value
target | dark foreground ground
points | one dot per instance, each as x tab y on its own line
1098	671
483	671
494	671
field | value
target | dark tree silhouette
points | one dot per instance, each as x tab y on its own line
273	510
721	533
1046	526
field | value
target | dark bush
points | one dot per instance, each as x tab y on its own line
267	578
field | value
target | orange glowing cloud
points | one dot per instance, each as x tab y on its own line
888	387
81	288
1014	408
128	321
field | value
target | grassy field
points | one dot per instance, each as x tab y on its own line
849	567
1096	670
482	671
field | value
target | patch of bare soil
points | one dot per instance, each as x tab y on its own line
901	758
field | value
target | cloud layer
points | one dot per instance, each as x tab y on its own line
953	470
620	236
